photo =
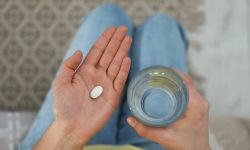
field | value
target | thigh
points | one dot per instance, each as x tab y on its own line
160	40
90	29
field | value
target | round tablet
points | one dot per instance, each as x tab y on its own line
96	92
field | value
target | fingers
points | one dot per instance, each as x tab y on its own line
121	78
69	66
185	77
121	53
143	130
98	48
112	47
198	105
189	82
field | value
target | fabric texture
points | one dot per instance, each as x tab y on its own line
35	34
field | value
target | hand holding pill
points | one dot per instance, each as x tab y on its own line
87	93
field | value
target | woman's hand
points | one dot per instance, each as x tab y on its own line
190	132
107	64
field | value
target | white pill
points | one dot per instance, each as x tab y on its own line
96	92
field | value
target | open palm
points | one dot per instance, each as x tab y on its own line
107	65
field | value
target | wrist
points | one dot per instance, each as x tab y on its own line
71	132
66	133
59	137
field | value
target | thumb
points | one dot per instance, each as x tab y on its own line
143	130
69	66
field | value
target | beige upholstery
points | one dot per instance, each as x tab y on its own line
34	35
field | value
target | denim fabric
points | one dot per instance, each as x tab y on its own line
159	41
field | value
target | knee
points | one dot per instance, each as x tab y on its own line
108	14
108	9
168	24
160	20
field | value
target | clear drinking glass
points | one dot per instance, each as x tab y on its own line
157	96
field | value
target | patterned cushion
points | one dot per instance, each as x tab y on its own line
34	35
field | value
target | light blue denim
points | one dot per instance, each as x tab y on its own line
160	40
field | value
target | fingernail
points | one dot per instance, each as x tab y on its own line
131	123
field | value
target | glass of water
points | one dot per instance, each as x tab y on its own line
157	96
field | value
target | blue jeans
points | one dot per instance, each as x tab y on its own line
160	40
